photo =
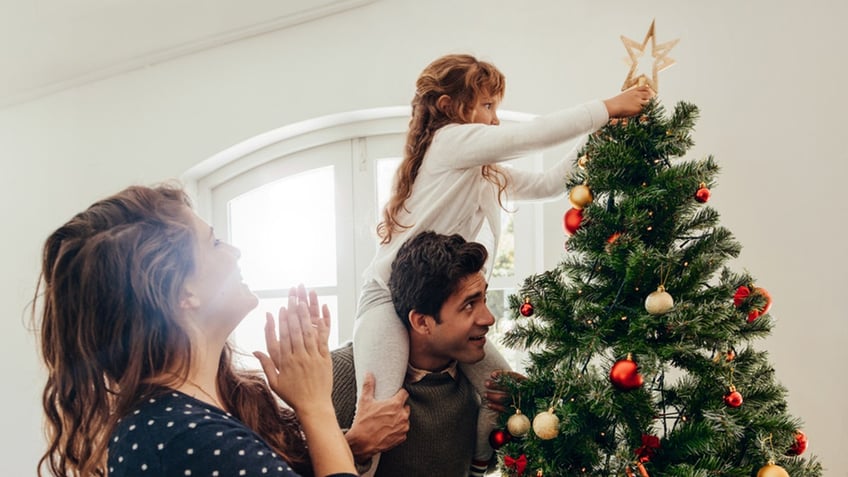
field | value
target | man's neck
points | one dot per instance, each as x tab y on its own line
421	357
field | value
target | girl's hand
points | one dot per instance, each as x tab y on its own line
298	363
629	102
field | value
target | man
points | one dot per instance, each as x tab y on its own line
439	291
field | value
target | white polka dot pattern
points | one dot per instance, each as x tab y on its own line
175	435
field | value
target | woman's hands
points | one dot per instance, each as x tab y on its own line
298	364
629	102
300	370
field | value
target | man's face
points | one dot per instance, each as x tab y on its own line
465	320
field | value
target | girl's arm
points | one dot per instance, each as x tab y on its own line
531	185
471	145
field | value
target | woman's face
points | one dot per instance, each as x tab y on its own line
216	292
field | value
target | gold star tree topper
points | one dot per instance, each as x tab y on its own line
636	51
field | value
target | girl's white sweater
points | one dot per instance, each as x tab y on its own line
450	195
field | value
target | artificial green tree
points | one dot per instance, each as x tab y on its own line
616	389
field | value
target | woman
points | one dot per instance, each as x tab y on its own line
139	298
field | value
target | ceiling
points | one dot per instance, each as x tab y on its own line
50	45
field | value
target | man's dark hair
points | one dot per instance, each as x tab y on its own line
428	269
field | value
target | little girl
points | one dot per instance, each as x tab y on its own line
449	182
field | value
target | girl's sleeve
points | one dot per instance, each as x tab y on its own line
464	146
531	185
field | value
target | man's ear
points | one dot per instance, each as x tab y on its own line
419	322
444	103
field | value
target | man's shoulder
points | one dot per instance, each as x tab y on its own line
344	385
343	357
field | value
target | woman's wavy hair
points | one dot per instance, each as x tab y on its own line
463	78
111	334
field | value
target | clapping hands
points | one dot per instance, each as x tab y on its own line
298	364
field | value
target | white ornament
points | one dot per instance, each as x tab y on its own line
659	302
546	425
518	424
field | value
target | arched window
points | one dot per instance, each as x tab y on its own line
302	203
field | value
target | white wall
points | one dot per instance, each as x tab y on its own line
763	73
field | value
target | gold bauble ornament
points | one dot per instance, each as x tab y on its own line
518	424
546	425
772	470
659	302
580	196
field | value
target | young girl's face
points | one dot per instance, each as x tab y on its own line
486	110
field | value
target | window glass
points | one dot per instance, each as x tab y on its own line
385	179
283	241
282	244
498	301
505	257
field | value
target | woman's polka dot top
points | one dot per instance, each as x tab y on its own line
175	435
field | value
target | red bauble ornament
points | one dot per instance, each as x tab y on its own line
625	374
733	398
571	221
800	444
498	438
702	194
526	307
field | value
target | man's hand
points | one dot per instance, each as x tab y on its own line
496	396
378	425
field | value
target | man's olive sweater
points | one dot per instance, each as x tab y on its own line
442	422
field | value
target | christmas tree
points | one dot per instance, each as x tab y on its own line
639	344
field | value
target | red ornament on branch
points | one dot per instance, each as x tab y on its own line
702	194
571	221
733	398
800	444
611	241
498	438
742	301
625	374
526	307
